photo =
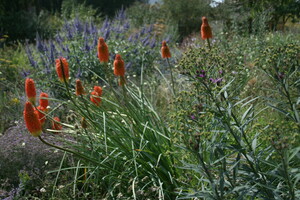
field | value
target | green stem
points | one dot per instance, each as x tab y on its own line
288	96
208	174
172	79
86	107
108	74
208	42
69	151
285	164
89	138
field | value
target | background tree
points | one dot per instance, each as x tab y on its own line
187	14
241	15
21	19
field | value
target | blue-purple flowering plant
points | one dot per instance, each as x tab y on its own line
77	42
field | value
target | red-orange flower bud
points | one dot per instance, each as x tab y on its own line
43	100
98	89
119	68
103	53
165	51
40	112
205	29
30	90
79	88
95	98
55	124
32	120
62	69
83	123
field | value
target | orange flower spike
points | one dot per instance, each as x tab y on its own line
62	69
98	89
79	88
30	90
119	68
32	120
165	51
103	53
40	114
206	32
43	101
55	125
95	98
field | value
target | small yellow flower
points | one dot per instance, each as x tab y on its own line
15	101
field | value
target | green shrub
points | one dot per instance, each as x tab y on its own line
232	148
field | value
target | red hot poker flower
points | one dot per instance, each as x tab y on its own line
103	53
40	113
98	89
62	69
30	90
95	98
55	125
205	29
165	51
119	68
79	88
43	101
32	120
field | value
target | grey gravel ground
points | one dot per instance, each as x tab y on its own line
21	153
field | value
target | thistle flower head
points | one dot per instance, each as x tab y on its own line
165	51
32	120
79	88
103	53
30	90
119	67
62	69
